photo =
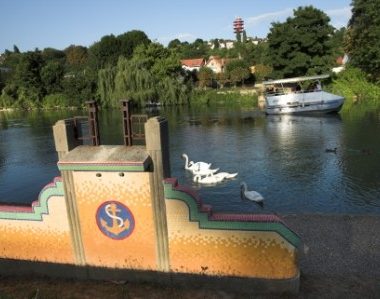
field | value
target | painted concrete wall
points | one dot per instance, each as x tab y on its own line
39	232
114	208
105	242
203	242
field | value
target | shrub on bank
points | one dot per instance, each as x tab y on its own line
352	83
55	100
213	97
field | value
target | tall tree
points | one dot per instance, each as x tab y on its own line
76	57
301	45
363	43
152	74
175	43
130	40
51	76
105	52
205	76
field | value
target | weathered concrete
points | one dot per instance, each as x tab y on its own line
239	285
105	154
343	256
338	244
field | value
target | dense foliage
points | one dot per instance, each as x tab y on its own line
352	83
301	45
152	75
363	43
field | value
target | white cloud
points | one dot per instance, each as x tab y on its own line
340	12
269	17
339	17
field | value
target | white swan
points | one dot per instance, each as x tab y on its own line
209	179
197	166
227	175
204	172
251	195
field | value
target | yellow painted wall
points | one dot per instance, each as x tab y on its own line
222	252
47	240
137	251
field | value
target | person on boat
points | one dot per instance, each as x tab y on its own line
318	86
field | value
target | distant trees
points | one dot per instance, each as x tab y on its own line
52	77
197	49
301	45
131	66
363	43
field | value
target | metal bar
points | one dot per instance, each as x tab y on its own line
138	121
127	125
93	122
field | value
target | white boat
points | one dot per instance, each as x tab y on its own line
301	95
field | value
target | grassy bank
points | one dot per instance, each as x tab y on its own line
224	97
358	91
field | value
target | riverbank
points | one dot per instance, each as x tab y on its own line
342	261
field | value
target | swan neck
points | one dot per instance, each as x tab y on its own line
186	161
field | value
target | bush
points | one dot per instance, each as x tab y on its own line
212	97
56	100
352	83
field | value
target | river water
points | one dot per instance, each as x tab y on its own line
282	157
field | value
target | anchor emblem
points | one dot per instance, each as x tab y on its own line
115	220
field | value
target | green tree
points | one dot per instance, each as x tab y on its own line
76	57
363	44
51	54
79	87
174	44
130	40
106	86
15	49
28	79
205	76
301	45
153	74
262	71
51	76
105	52
238	71
222	79
337	43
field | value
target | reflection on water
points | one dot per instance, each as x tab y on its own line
282	157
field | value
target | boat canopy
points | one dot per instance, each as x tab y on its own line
296	79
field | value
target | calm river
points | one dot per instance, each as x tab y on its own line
284	158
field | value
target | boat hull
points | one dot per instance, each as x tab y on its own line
304	103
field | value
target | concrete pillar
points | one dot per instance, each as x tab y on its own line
64	138
65	141
157	146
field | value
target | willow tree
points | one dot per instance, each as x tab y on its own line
106	86
134	81
153	74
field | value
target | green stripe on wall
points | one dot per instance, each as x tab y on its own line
42	206
205	223
125	168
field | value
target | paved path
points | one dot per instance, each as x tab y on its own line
343	256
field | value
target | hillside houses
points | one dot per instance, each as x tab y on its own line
193	64
215	63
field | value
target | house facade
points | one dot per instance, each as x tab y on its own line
193	64
216	64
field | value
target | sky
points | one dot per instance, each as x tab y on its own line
31	24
